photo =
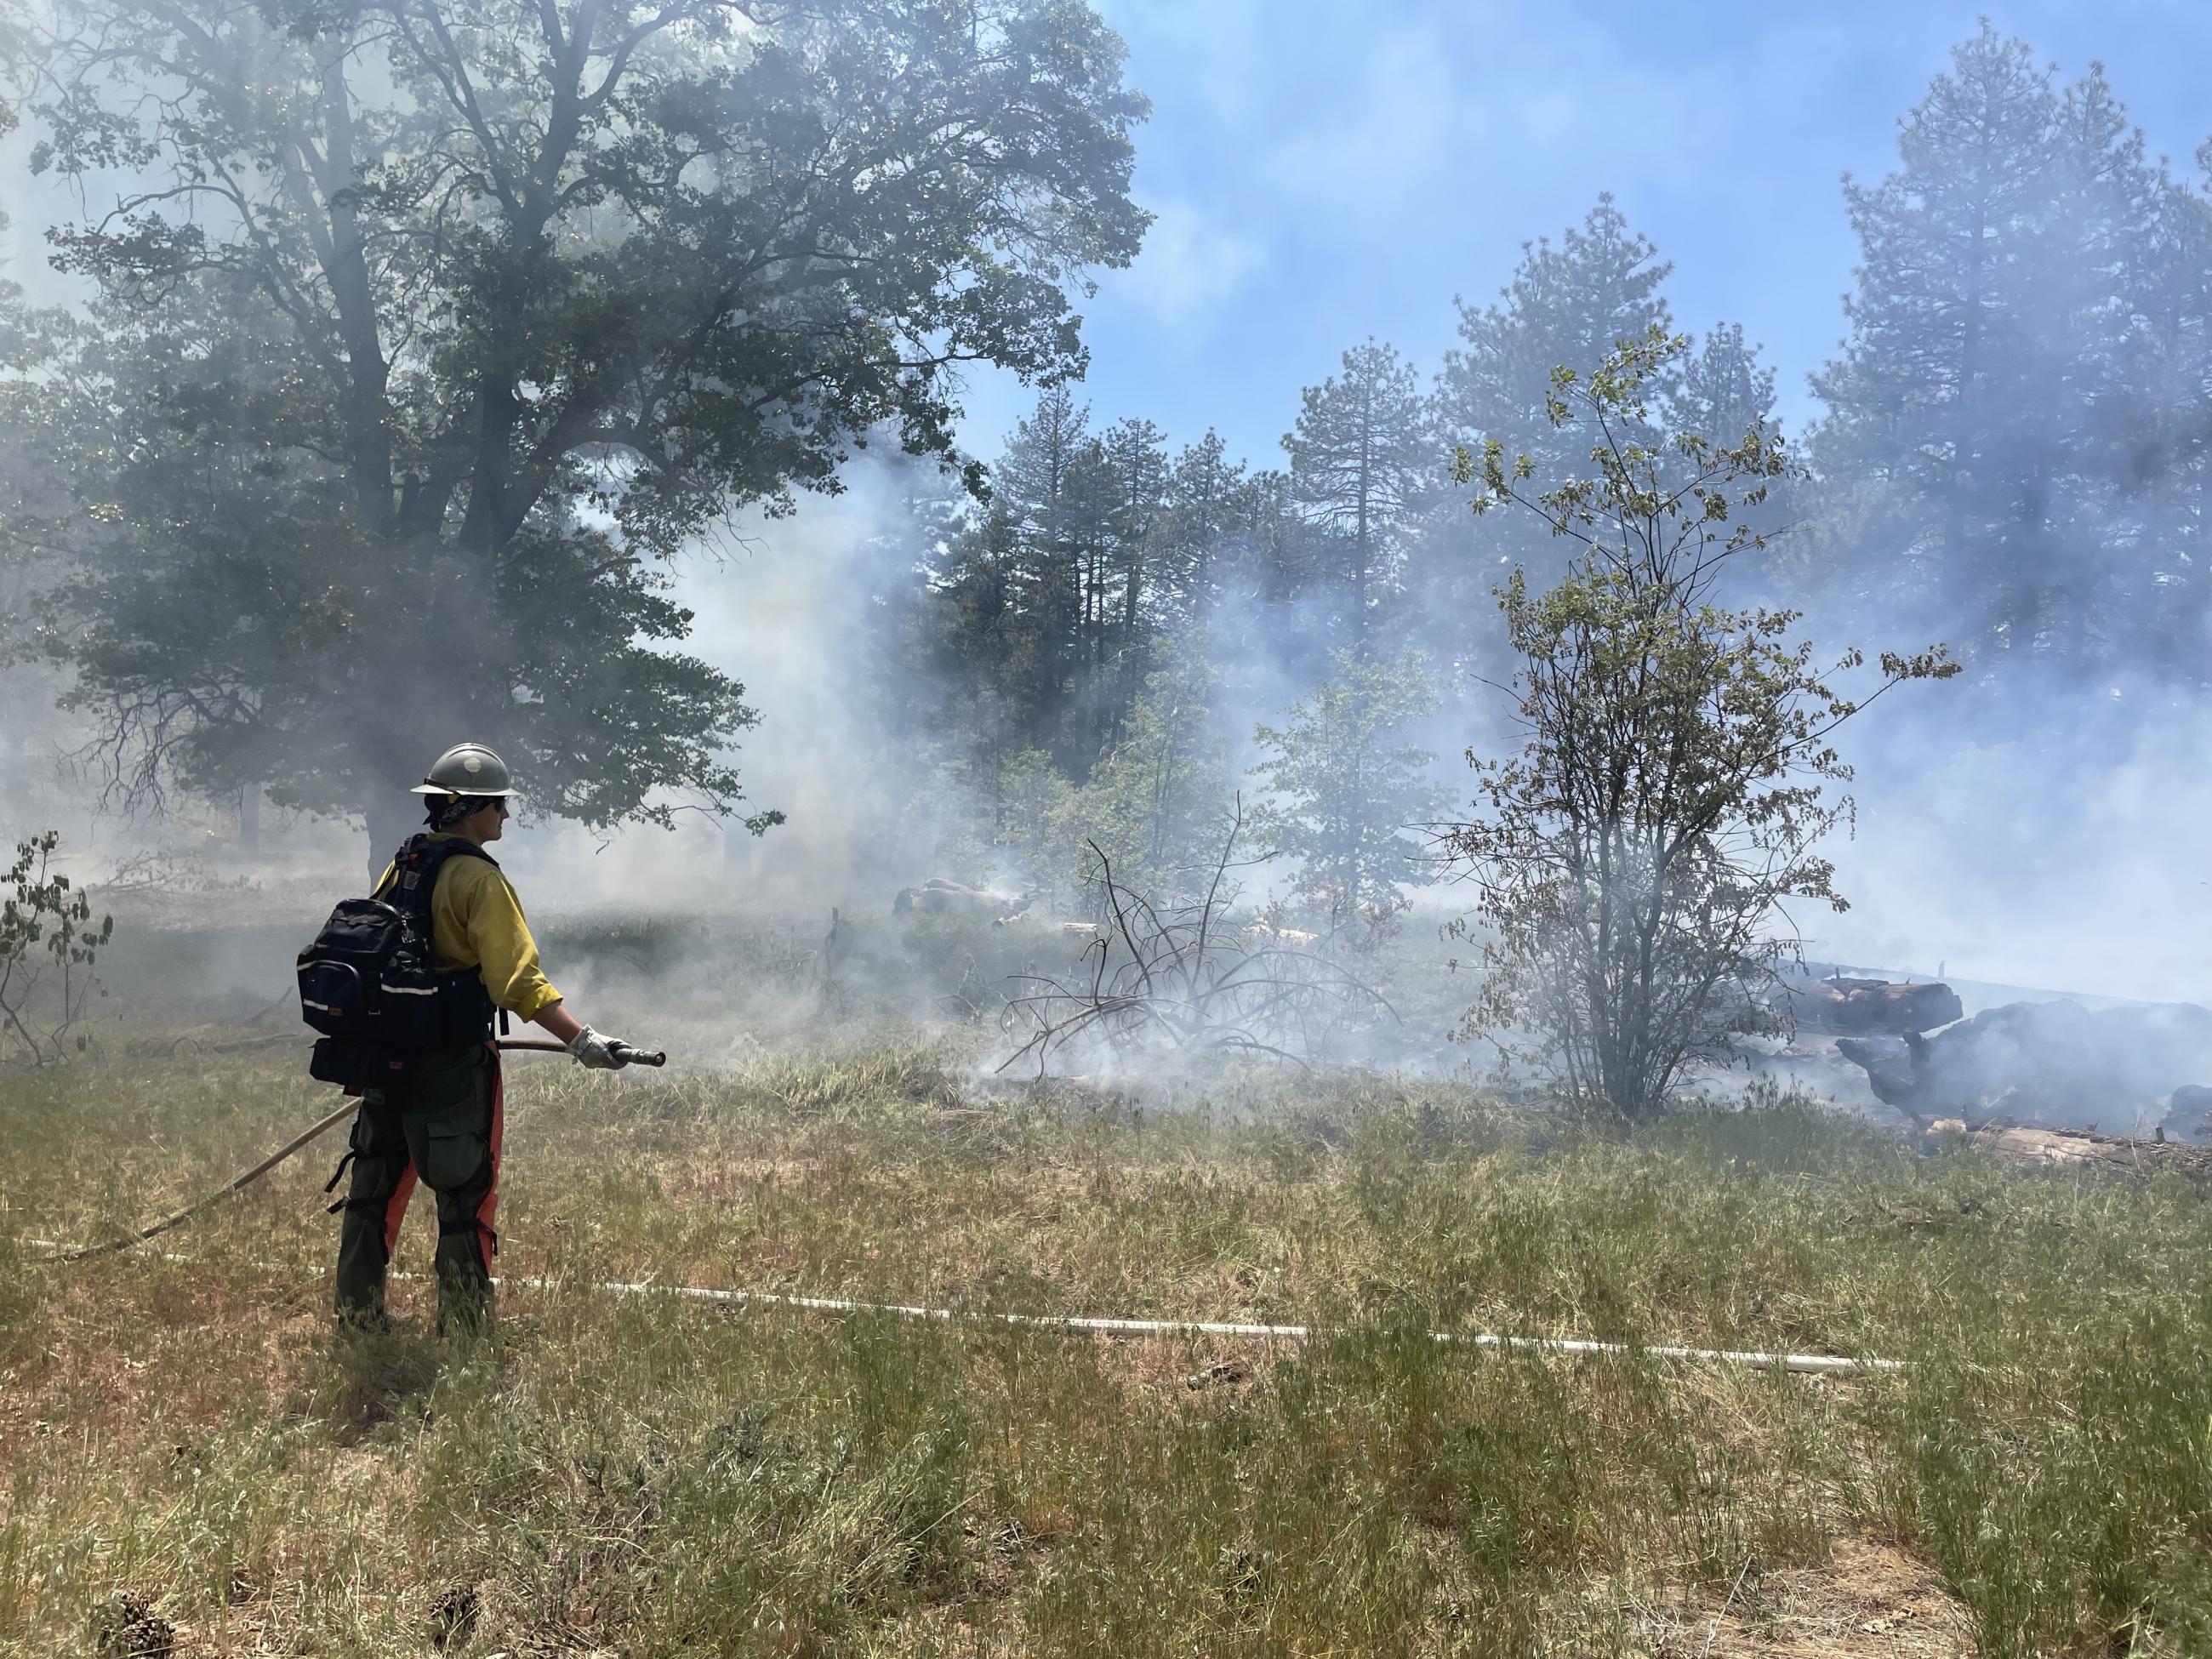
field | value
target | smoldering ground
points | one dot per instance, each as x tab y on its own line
2022	826
2047	839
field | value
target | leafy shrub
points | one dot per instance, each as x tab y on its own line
47	947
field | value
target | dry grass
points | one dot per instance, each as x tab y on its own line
642	1476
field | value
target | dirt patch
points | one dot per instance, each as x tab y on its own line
1868	1599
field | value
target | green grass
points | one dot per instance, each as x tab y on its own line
646	1476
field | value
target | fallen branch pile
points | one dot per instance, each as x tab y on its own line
1180	980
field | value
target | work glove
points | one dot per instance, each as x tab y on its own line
601	1053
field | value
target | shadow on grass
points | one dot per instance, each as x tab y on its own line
363	1379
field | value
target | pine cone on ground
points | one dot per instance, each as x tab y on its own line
128	1627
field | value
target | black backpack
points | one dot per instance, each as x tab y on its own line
370	982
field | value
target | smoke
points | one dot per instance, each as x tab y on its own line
794	608
2033	834
2014	827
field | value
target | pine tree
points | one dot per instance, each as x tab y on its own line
2168	433
1157	802
1349	787
2092	554
1939	397
2008	434
1030	479
1275	552
1724	391
1361	455
1569	303
1036	486
976	641
1136	452
1206	509
1090	543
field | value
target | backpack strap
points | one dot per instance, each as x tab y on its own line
467	1007
415	869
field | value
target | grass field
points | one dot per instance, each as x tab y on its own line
647	1476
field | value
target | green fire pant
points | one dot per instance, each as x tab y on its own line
438	1118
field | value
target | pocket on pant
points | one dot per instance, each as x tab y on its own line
455	1159
450	1081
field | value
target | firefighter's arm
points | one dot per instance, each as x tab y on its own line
555	1019
506	954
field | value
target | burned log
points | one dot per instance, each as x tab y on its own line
2079	1148
938	897
2049	1065
1872	1006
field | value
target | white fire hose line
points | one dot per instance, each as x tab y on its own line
1807	1365
1815	1364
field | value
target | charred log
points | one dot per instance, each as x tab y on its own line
2049	1065
938	897
1872	1006
2080	1148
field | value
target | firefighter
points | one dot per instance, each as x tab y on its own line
437	1117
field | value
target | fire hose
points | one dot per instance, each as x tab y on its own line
629	1056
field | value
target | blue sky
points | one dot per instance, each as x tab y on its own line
1323	171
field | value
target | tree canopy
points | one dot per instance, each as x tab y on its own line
427	331
1360	454
426	327
2016	435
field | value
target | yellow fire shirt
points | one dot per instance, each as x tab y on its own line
477	921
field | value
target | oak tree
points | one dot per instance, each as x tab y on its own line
429	330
